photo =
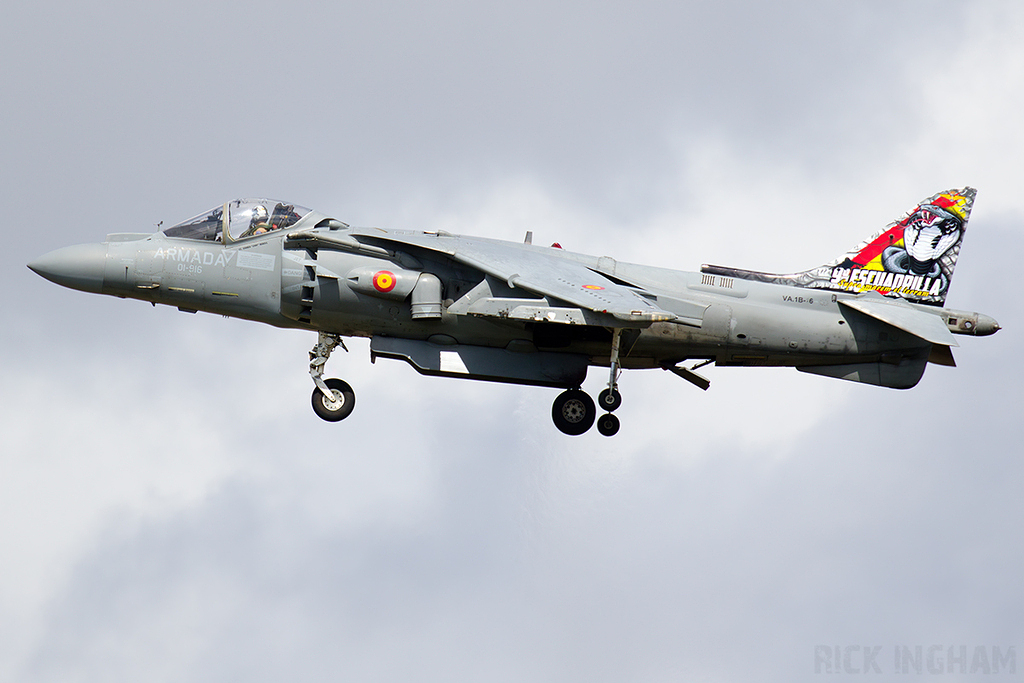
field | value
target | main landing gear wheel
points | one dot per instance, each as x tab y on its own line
573	412
338	405
609	399
608	424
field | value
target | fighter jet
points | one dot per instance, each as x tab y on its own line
487	309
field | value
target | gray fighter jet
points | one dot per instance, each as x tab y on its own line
487	309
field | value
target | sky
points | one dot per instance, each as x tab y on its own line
171	509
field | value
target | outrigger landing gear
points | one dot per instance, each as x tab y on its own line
333	399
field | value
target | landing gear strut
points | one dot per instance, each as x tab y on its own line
574	411
610	398
333	399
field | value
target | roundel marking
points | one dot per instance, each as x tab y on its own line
593	287
384	281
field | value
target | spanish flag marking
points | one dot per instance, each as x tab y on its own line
384	281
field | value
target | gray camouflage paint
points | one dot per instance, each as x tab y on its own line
493	310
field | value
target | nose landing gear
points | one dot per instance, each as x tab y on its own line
333	399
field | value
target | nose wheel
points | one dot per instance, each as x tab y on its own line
333	399
337	405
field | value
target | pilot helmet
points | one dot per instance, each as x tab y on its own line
259	214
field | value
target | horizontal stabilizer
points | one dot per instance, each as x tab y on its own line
902	315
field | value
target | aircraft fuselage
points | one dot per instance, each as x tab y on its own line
741	322
485	309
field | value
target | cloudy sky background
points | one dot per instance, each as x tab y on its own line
171	509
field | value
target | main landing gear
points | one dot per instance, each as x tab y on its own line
574	412
333	399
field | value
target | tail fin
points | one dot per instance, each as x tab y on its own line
912	258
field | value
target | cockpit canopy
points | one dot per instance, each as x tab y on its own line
246	218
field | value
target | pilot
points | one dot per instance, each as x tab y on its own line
259	224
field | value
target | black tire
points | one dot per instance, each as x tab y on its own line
339	408
573	412
608	424
609	400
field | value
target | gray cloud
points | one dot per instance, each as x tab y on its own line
184	516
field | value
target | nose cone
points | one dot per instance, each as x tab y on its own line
987	325
78	267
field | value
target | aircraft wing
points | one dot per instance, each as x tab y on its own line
902	315
539	270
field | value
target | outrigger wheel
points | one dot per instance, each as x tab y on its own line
573	412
